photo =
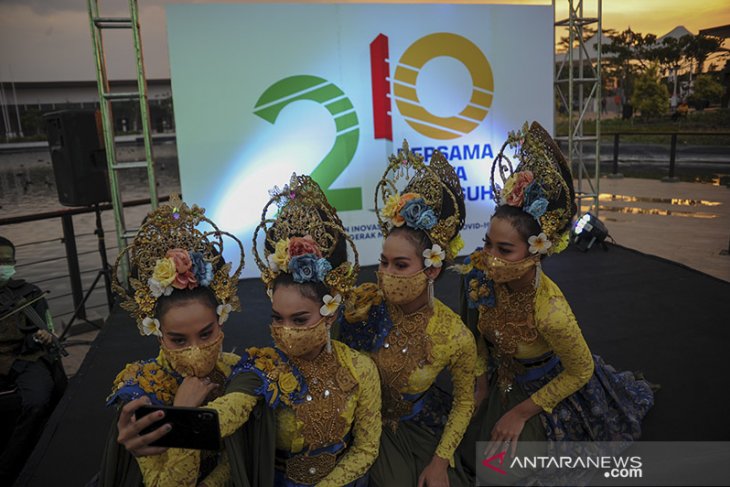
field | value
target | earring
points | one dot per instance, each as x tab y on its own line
430	293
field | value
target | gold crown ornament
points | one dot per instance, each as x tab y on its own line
301	232
540	184
170	252
412	193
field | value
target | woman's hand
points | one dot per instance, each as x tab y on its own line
505	433
435	474
129	429
508	429
193	391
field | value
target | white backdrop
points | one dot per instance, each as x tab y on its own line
262	90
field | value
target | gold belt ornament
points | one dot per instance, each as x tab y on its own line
305	469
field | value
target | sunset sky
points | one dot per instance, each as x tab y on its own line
49	39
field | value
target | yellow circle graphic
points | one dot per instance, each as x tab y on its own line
406	96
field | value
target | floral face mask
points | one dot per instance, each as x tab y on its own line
402	289
501	271
297	341
195	361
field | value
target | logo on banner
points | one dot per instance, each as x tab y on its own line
313	88
405	91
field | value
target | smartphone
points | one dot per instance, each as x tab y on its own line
195	428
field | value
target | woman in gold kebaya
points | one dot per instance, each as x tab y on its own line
541	390
409	334
325	397
182	294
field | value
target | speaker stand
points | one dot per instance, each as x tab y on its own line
106	272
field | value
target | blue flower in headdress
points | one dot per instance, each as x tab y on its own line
202	270
303	268
418	215
533	192
537	208
323	267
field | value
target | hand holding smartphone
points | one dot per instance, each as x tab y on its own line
194	428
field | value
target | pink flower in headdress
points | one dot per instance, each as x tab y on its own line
183	265
303	245
185	280
181	258
517	195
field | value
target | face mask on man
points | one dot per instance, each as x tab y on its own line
7	271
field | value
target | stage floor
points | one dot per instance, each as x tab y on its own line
638	312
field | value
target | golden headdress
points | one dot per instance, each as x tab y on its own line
422	204
302	236
170	252
541	185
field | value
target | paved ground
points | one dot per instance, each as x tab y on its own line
687	223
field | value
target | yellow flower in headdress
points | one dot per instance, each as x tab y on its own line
279	260
390	205
165	271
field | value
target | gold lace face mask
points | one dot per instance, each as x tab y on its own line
501	271
297	341
194	361
402	289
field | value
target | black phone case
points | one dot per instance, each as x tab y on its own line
194	428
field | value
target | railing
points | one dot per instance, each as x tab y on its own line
71	254
671	177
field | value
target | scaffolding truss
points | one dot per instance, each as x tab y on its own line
578	88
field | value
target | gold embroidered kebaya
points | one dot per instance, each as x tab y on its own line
330	387
406	348
506	326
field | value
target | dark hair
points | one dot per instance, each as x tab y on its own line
310	290
419	238
202	294
523	222
4	242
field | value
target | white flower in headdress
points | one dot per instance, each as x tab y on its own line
330	305
223	311
157	288
272	263
434	256
539	244
151	326
270	293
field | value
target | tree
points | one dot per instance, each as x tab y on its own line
706	90
700	47
650	96
632	53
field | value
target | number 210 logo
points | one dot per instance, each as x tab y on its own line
313	88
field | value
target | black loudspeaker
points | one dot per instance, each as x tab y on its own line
78	157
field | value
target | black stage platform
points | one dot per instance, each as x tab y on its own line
637	311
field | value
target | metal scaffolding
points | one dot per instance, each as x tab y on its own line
106	99
578	88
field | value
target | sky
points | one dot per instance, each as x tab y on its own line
50	40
